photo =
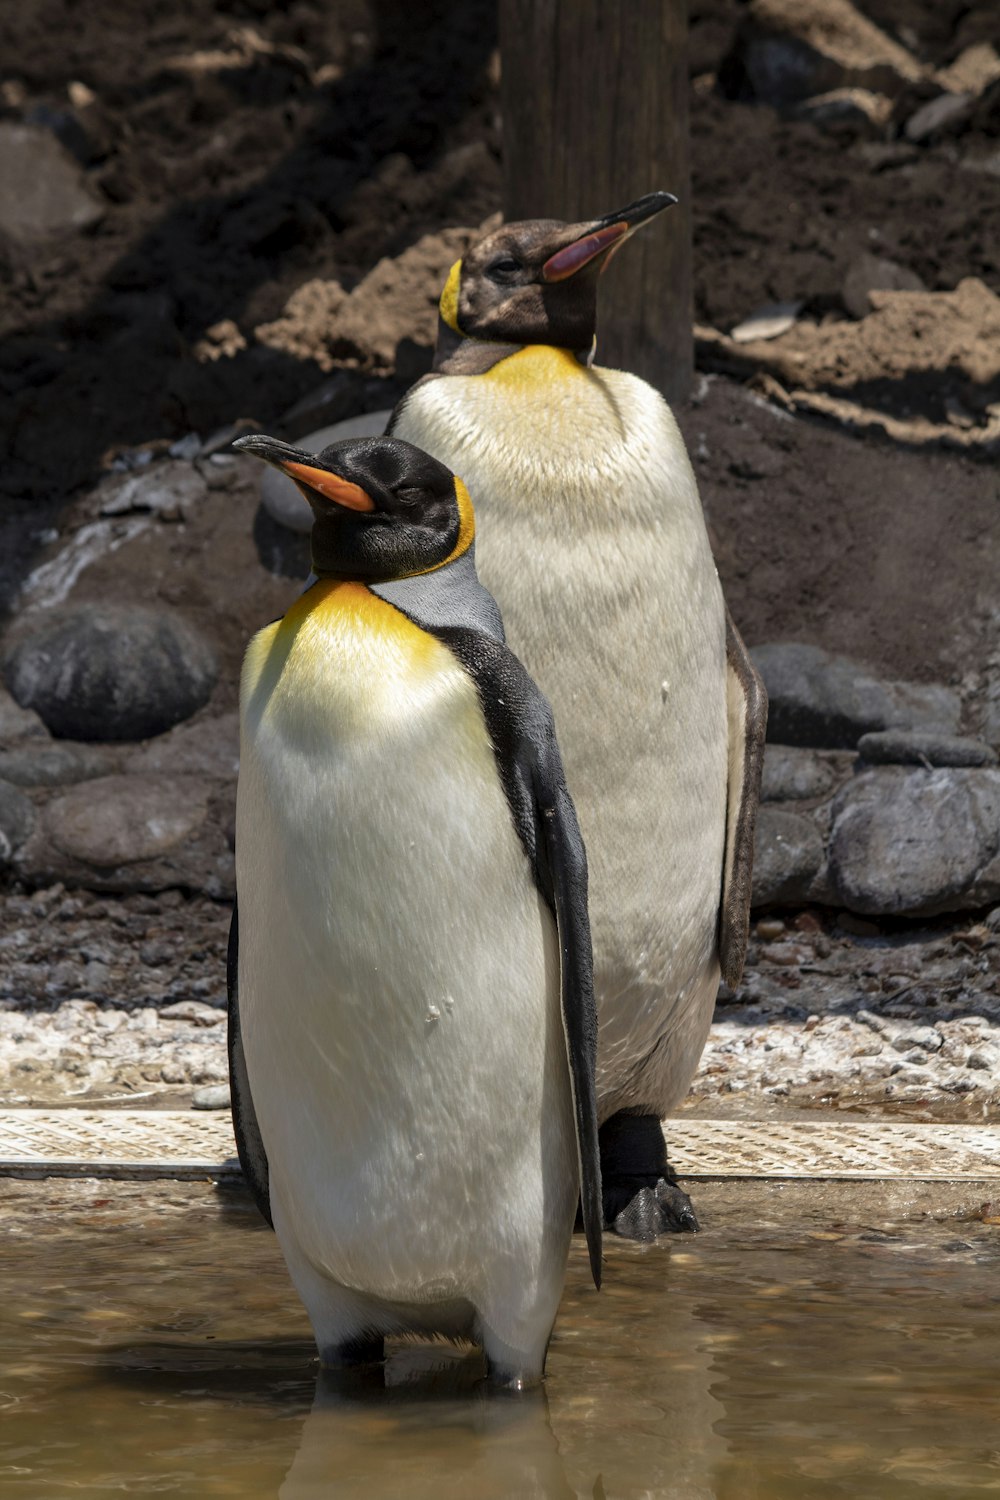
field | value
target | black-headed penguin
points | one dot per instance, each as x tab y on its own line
593	541
412	1019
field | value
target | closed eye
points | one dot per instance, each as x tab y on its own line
501	269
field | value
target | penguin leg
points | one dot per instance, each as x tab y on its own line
641	1196
511	1367
348	1329
514	1325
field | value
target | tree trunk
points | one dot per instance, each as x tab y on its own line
595	114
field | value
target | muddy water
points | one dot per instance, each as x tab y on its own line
814	1341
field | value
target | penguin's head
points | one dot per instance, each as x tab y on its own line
382	509
536	282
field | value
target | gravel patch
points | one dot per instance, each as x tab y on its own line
119	998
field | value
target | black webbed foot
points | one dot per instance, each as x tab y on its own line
641	1196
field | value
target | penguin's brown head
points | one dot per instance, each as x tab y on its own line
382	508
536	282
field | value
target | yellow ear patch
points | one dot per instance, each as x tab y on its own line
449	297
466	521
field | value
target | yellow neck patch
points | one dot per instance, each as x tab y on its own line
449	298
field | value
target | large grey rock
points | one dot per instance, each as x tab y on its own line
111	672
135	833
788	855
172	490
280	497
915	842
56	764
43	192
121	819
794	775
828	702
18	724
17	819
208	747
917	747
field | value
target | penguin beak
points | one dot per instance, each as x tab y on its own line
301	467
604	236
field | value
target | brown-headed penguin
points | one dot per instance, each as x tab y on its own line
412	1018
593	541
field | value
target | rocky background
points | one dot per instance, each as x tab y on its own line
241	218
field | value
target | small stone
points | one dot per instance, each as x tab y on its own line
919	747
791	774
17	723
945	115
17	819
55	765
282	499
983	1060
173	1073
193	1010
770	928
768	322
215	1096
111	672
788	853
871	273
43	192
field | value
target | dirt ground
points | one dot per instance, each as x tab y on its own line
240	149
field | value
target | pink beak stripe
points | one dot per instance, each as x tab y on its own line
579	254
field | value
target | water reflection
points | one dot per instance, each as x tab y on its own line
785	1355
431	1430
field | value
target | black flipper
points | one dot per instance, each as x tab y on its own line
249	1146
567	863
521	728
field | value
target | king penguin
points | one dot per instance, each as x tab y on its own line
412	1016
593	541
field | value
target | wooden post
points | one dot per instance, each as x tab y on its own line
595	113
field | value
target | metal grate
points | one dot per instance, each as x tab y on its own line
162	1143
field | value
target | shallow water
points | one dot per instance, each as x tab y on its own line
815	1341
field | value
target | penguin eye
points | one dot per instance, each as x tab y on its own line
503	268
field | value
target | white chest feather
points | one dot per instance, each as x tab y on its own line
398	970
592	539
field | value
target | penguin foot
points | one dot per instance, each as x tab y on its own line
353	1353
640	1192
652	1211
512	1382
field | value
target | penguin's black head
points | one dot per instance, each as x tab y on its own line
382	508
536	282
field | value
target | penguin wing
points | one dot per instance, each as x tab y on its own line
249	1145
520	725
746	704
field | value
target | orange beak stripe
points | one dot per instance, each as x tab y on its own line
574	257
322	482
